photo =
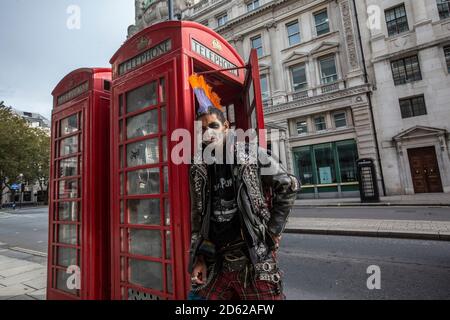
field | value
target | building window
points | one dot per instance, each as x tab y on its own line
205	23
447	57
406	70
322	22
327	163
340	119
304	165
252	5
320	123
222	20
298	75
265	91
413	107
257	44
396	20
293	30
302	127
443	8
348	154
328	71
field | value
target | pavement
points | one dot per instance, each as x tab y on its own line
425	199
390	228
23	275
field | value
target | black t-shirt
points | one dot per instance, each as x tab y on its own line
225	225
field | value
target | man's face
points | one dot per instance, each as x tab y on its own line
213	129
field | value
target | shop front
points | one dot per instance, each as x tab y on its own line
327	170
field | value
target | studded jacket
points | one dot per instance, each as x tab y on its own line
262	221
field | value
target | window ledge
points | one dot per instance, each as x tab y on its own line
318	134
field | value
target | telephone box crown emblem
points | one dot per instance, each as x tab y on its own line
143	43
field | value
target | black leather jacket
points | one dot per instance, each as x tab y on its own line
261	223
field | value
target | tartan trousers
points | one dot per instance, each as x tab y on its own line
235	286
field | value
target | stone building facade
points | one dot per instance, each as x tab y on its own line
408	55
312	77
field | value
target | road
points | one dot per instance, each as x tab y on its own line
316	266
394	213
25	228
334	267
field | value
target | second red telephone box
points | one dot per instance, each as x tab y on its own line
151	98
78	249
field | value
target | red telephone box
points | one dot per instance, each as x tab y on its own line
150	194
78	251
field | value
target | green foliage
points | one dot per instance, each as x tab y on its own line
23	151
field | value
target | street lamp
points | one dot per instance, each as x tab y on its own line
170	7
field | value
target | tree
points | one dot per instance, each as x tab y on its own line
24	151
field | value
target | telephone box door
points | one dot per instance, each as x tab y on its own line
142	242
253	100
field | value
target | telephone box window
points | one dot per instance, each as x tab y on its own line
163	119
143	124
121	156
169	279
68	167
122	213
142	97
164	142
68	146
146	274
121	184
107	85
166	212
120	105
166	179
68	189
168	246
61	282
144	211
162	95
66	256
146	243
69	125
67	234
142	153
143	181
68	211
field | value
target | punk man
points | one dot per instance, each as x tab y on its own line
236	231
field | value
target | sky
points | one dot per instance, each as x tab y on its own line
43	40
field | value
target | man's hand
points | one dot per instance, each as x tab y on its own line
199	274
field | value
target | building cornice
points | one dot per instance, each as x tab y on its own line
207	9
389	56
362	89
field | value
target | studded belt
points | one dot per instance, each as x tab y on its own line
266	266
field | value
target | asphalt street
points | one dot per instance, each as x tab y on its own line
25	228
394	213
335	267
